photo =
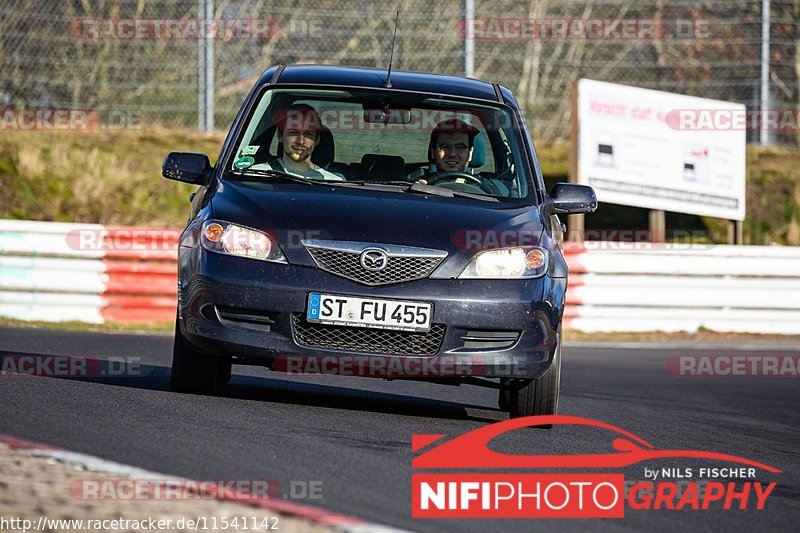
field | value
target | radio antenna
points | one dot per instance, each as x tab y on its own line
391	53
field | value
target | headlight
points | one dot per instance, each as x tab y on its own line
507	263
230	239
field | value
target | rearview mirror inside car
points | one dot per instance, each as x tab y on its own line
571	198
187	167
387	116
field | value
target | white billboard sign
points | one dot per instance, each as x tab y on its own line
662	150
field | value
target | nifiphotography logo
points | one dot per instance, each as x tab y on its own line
494	492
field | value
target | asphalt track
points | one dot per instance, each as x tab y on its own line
354	434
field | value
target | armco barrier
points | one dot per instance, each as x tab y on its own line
93	273
746	289
58	272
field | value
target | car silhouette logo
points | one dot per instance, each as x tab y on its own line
373	260
471	450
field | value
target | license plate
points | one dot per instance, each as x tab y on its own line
369	312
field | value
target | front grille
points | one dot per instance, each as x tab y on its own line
375	341
405	264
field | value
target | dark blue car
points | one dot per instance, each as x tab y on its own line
364	225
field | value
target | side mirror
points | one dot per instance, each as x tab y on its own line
187	167
571	198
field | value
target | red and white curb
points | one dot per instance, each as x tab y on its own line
308	513
55	271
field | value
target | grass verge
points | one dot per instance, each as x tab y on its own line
116	327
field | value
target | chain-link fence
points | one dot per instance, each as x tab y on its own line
151	59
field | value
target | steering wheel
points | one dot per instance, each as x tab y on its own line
452	175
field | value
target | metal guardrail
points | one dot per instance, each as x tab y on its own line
747	289
87	272
92	273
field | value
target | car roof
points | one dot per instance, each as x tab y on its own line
376	78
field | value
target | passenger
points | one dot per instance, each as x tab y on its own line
299	130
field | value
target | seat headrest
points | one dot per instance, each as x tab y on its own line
325	151
478	152
383	167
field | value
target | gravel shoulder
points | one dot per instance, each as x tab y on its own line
32	487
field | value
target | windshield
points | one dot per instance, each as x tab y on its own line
374	138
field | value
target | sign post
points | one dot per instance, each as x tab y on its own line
575	226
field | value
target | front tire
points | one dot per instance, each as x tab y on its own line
504	399
224	371
539	396
192	372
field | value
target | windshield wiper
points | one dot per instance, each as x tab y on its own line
406	186
277	174
377	185
448	193
381	182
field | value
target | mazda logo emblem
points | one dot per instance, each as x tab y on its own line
374	260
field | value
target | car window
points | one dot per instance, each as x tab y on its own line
375	136
406	141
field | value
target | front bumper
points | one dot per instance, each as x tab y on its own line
253	311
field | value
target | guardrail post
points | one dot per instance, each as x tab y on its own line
469	41
575	223
735	233
205	119
658	225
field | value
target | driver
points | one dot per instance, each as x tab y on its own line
451	145
450	150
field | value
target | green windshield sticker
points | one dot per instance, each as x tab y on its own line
250	150
244	162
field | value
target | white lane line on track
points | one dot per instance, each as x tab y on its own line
96	464
783	346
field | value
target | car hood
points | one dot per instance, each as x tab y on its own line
292	213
